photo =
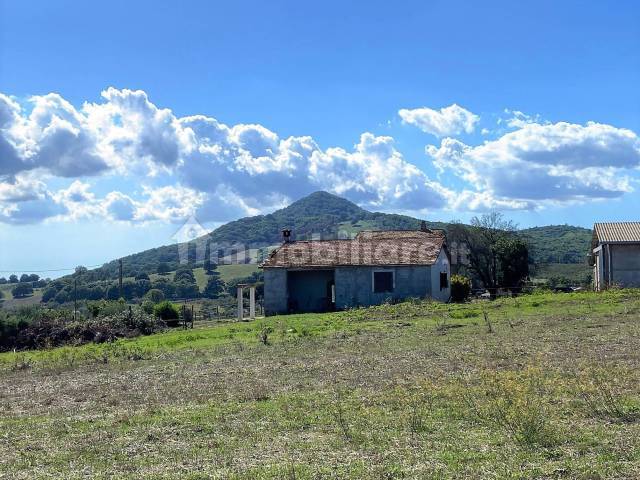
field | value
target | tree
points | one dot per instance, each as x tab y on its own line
3	281
22	290
142	276
184	274
513	260
13	279
49	294
80	270
25	278
187	289
166	311
490	250
155	295
215	286
163	268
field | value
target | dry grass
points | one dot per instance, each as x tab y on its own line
417	390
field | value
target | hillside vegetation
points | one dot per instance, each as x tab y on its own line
540	386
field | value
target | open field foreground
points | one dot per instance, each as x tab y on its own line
547	386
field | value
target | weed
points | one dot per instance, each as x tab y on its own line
339	417
21	362
487	321
263	334
512	401
603	398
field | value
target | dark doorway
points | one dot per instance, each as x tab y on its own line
310	290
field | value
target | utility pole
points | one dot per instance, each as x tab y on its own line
75	297
120	277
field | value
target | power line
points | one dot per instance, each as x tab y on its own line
51	270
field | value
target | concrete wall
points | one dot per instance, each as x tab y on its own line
625	264
275	291
617	265
441	266
354	285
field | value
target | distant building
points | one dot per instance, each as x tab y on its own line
615	255
374	267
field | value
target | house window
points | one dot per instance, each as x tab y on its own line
383	282
444	280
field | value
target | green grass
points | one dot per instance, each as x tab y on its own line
231	272
415	390
9	302
227	273
351	228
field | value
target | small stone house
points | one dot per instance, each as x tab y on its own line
615	255
374	267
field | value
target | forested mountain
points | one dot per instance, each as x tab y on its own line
324	215
558	243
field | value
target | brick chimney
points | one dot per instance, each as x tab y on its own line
423	227
286	235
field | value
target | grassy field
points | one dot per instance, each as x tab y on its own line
227	273
543	386
8	301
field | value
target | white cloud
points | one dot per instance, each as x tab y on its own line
550	163
229	170
448	121
197	165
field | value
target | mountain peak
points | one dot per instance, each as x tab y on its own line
323	203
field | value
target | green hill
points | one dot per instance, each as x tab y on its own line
558	243
324	215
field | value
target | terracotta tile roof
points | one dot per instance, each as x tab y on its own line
367	248
616	232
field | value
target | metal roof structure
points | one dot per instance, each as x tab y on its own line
616	232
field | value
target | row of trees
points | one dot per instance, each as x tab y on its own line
24	278
182	284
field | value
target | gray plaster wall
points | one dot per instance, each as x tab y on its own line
354	285
625	263
275	291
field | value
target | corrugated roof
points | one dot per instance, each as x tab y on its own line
366	249
616	232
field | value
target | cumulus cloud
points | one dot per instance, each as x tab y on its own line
448	121
24	200
197	165
549	163
228	170
167	204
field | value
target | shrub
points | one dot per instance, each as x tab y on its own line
166	311
513	402
51	328
22	290
147	306
460	288
155	295
604	397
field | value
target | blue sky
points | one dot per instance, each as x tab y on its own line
440	110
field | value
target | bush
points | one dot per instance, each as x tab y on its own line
460	288
147	307
155	295
166	311
43	328
514	402
22	290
